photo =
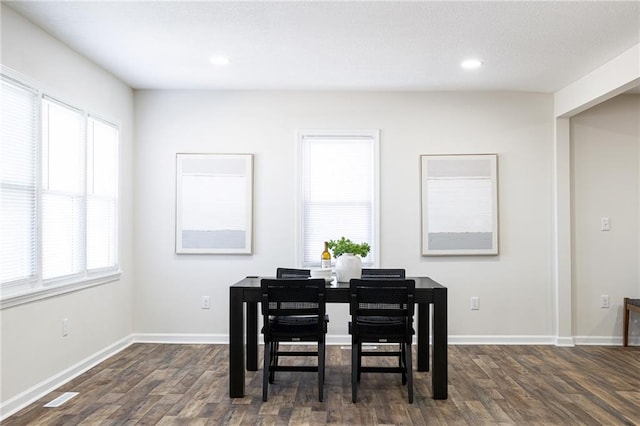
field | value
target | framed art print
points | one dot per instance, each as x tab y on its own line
459	204
214	203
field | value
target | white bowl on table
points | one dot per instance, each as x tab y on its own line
322	273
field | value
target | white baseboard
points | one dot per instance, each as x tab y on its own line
564	341
223	339
600	340
219	339
207	339
339	339
467	340
501	340
36	392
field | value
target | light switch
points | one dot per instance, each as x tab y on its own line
604	224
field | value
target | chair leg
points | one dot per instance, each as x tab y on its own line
275	346
320	371
355	370
359	366
266	370
408	357
625	331
402	363
324	357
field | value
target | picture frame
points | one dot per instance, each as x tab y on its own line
459	204
214	203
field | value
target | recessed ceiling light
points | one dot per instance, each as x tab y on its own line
471	64
219	60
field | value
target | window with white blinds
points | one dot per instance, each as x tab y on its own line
102	195
339	186
18	161
59	193
63	187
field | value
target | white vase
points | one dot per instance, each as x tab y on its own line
348	266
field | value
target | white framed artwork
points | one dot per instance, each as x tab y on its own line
214	197
459	203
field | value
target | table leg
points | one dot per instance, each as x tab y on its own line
236	344
252	336
423	337
439	373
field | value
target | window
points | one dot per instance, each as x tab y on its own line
59	193
339	186
18	185
102	195
63	143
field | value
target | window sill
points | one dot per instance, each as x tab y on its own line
41	293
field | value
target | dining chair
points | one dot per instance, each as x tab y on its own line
293	311
288	273
381	312
628	306
292	273
382	273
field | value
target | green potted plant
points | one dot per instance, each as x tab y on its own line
345	245
348	258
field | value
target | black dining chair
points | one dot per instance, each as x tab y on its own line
382	273
292	273
293	311
382	312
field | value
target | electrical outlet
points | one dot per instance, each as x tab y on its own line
206	302
475	303
65	327
604	301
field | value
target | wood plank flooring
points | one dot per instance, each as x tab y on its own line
150	384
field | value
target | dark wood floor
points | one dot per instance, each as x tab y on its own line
519	385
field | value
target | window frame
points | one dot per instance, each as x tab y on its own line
47	190
33	279
374	136
23	291
91	194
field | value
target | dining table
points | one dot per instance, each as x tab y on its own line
245	295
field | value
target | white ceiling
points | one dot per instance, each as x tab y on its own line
357	45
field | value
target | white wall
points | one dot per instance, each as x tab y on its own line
33	349
605	148
514	288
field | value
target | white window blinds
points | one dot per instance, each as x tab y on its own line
18	156
63	202
102	195
339	191
59	194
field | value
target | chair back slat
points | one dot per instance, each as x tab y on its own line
382	297
382	273
292	273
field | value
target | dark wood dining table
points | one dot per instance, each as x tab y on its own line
247	293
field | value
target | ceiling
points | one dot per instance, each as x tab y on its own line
340	45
